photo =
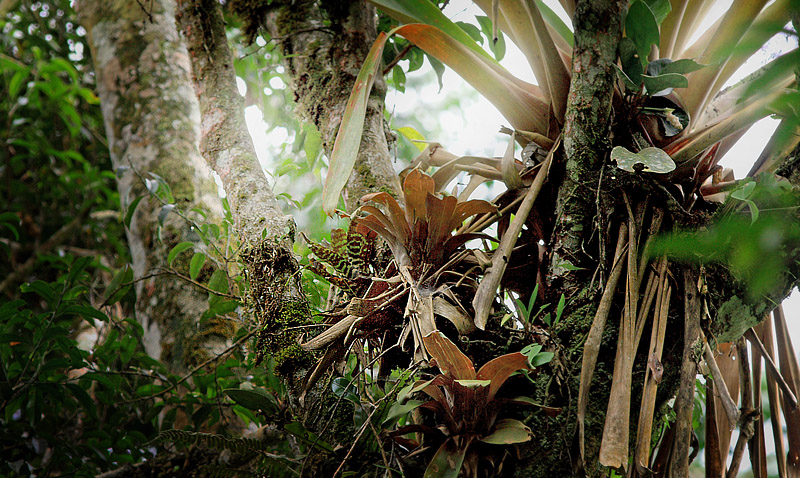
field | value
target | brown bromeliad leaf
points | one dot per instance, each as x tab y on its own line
421	233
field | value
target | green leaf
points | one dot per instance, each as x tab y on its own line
255	399
17	80
471	30
219	283
400	410
175	251
663	84
660	9
438	67
131	209
198	259
541	359
556	22
560	307
508	431
312	144
642	28
665	65
399	78
40	288
448	460
496	45
651	160
415	59
631	64
86	312
149	389
416	138
753	210
743	193
342	388
629	84
83	398
10	220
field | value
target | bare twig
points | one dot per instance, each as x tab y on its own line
788	395
746	428
397	59
196	369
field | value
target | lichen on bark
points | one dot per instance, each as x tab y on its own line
152	124
587	128
324	45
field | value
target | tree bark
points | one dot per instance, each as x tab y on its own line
152	124
267	234
322	63
587	126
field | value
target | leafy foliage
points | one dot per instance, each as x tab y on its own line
466	403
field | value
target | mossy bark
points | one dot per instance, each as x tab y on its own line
275	293
587	140
152	124
322	63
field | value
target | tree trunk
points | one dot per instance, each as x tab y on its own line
322	63
152	124
266	233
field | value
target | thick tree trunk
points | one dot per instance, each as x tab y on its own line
266	233
152	124
587	127
322	64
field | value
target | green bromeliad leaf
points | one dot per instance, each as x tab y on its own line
650	160
508	431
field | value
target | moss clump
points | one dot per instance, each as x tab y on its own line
279	338
271	271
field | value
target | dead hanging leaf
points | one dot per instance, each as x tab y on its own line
648	160
455	314
656	368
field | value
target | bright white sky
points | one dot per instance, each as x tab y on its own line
474	130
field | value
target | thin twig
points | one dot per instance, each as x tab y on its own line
397	59
746	428
196	369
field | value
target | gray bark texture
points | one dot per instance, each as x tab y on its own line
587	124
322	63
152	123
267	235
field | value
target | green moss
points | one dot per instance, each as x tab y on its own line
734	317
293	18
270	271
